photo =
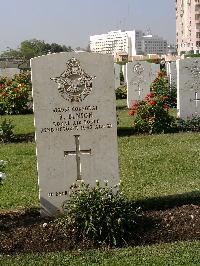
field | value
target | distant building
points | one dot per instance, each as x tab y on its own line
152	44
131	42
171	49
121	57
188	26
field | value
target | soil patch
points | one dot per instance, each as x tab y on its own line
25	231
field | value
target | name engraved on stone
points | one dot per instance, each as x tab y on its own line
74	119
74	84
78	152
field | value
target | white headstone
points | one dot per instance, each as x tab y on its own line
117	70
124	72
9	72
138	81
155	69
172	73
188	88
75	121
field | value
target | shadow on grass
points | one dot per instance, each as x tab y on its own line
168	202
23	138
122	107
125	131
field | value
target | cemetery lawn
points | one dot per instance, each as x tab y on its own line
160	173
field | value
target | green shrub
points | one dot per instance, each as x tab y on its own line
100	214
160	86
6	130
121	77
121	93
192	124
15	94
152	115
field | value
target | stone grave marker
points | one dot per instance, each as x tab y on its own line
117	70
172	73
9	72
124	72
138	81
155	69
75	122
188	88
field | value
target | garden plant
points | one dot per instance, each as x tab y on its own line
15	94
101	213
152	114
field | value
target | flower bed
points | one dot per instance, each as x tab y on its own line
15	94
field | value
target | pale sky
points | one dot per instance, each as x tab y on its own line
71	22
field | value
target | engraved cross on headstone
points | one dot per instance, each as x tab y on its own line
138	83
196	100
78	152
139	89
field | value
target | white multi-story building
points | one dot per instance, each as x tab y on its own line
132	42
188	26
114	42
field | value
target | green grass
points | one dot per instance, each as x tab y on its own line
23	123
124	120
150	167
20	188
160	165
181	253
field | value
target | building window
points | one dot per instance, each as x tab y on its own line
198	44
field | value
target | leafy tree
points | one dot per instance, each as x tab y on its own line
32	48
12	54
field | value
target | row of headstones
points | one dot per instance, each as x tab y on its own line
183	74
9	72
75	118
119	70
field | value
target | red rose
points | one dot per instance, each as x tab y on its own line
150	95
131	113
152	103
166	107
164	97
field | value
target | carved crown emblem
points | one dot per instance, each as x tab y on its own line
138	68
74	84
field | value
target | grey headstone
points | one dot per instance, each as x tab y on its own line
155	69
138	81
117	70
188	89
124	72
172	73
9	72
75	121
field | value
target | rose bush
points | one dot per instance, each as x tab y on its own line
152	114
160	86
15	94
